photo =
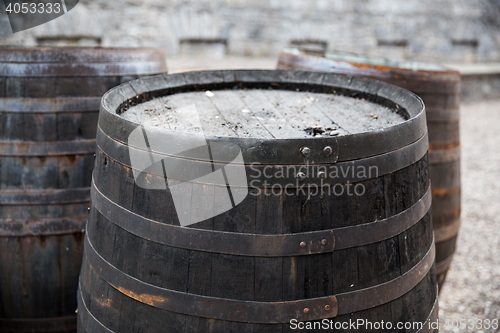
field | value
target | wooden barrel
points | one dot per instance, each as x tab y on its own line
226	201
439	88
49	105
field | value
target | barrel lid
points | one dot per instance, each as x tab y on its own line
344	62
287	149
46	62
264	113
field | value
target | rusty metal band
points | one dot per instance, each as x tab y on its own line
384	164
444	156
445	191
213	241
89	322
383	293
45	196
433	317
440	78
450	144
411	75
276	151
92	325
47	148
257	312
206	306
447	232
96	69
43	227
256	245
442	116
50	105
443	265
42	325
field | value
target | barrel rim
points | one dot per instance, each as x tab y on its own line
385	64
384	163
85	54
89	69
349	147
84	62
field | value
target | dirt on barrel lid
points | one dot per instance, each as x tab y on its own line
264	113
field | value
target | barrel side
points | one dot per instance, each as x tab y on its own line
251	278
141	271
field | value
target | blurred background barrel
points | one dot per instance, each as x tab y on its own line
439	87
49	105
253	216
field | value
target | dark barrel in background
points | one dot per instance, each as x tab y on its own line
273	249
439	88
49	105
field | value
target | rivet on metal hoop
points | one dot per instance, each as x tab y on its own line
303	244
328	150
305	151
306	310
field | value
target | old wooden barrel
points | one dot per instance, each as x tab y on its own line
49	105
439	88
258	201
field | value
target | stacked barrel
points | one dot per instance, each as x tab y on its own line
49	105
439	88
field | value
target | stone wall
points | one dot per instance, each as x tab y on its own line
426	30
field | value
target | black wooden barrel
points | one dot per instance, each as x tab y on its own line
439	88
226	201
49	105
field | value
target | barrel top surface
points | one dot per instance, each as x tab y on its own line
264	113
270	115
374	62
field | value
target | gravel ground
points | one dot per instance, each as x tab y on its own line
472	287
